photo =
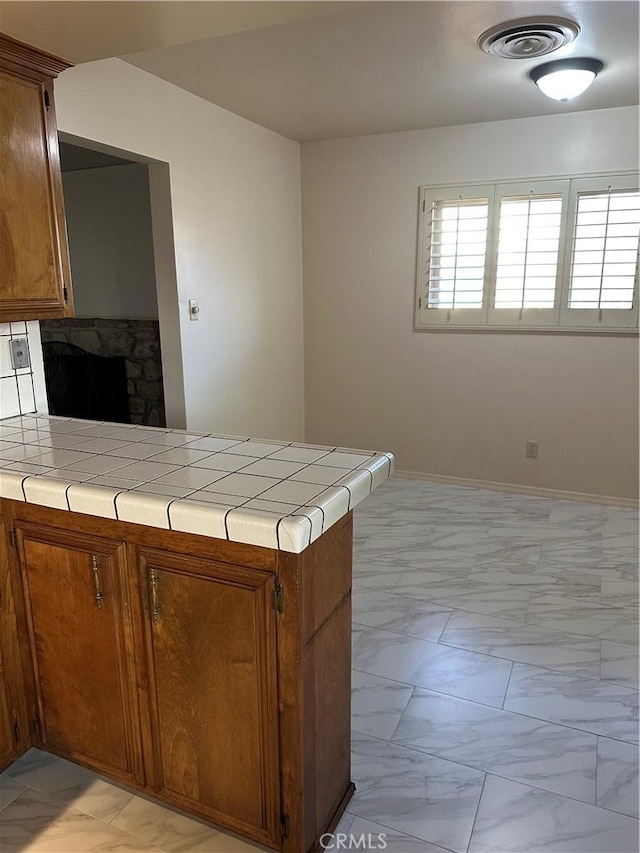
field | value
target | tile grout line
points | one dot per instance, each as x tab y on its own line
475	817
506	690
444	627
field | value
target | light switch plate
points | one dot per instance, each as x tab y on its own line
19	353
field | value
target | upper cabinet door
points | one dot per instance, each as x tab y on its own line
35	281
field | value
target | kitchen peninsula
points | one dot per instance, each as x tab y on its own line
175	613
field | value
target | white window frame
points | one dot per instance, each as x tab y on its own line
442	317
560	318
605	318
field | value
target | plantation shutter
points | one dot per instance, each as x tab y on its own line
528	257
603	254
455	229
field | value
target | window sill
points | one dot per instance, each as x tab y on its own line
534	330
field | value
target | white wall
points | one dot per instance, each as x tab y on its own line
110	242
451	403
235	193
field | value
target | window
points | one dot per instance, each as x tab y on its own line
542	254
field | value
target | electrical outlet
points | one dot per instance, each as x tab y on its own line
19	353
532	450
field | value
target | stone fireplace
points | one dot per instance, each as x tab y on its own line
138	341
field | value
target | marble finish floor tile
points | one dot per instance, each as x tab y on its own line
9	789
497	555
385	582
620	593
414	793
584	550
377	704
593	706
35	823
594	517
521	748
619	663
70	784
154	824
587	618
515	818
421	558
400	614
421	663
523	643
516	531
361	834
477	597
552	581
618	776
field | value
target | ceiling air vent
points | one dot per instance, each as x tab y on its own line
528	37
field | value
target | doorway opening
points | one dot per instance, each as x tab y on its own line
106	363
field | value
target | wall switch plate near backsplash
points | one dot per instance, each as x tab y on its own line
22	383
19	353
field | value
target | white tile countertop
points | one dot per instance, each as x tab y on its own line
276	494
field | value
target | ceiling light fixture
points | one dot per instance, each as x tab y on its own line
564	79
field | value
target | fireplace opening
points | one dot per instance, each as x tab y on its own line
81	384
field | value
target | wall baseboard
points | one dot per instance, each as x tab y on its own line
584	497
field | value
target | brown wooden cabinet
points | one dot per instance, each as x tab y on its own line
212	675
81	646
35	280
211	650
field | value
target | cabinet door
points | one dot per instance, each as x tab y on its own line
80	635
33	249
210	634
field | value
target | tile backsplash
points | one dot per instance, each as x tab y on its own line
21	391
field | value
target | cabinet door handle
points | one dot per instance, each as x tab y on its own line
153	585
96	566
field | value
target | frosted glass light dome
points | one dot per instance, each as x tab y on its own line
565	79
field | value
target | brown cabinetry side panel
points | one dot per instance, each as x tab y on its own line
6	740
30	264
314	639
81	651
14	729
327	678
212	663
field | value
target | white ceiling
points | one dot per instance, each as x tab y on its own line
83	30
322	70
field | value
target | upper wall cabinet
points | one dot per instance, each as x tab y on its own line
35	281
